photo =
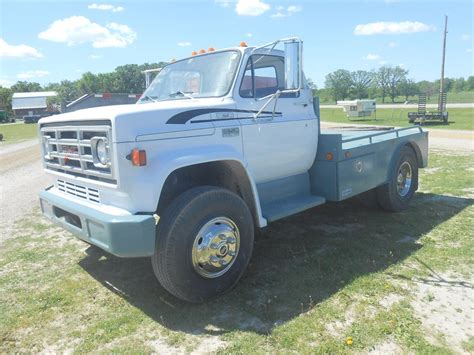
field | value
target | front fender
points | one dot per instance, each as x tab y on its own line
169	161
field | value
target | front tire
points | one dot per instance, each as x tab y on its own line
396	195
203	243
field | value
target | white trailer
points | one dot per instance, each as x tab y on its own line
358	108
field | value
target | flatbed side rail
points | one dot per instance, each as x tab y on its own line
353	142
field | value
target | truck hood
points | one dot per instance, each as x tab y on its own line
132	121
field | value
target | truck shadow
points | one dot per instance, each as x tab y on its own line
298	262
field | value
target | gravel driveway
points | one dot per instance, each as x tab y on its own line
21	179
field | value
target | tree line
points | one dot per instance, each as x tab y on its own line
127	79
386	82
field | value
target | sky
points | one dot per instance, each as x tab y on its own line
49	41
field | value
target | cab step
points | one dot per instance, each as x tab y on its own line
294	204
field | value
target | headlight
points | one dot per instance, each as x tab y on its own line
101	149
100	152
46	147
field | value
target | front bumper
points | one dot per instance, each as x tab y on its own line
120	235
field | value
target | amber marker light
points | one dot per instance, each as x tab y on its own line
138	157
202	51
243	44
329	156
211	49
194	53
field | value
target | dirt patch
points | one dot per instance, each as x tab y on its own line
445	304
387	347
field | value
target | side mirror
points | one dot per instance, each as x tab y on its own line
293	64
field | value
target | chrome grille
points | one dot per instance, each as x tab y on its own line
67	149
86	193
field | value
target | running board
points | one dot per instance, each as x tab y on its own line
290	205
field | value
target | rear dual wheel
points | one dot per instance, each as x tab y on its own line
203	244
396	195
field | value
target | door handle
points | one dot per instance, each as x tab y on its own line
301	103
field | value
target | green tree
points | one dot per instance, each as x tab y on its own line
469	83
361	81
25	86
382	78
408	88
428	88
88	83
6	99
339	83
459	84
396	76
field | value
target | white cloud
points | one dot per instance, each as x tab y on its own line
469	50
383	62
371	56
33	74
290	10
18	51
293	9
6	83
95	56
184	44
465	37
251	7
223	3
403	27
278	14
393	44
79	29
249	35
105	7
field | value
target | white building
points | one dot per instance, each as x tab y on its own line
31	103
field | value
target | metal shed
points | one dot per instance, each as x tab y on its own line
31	103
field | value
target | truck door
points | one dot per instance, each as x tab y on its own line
282	144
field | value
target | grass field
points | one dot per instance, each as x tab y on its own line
335	279
453	98
459	118
13	133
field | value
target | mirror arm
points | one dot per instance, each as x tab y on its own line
270	97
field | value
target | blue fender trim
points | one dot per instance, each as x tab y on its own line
122	236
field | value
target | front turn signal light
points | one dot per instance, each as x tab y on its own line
138	157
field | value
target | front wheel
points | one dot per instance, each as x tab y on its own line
396	195
203	244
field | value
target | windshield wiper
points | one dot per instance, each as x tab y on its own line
149	98
180	93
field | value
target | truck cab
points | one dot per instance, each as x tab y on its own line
221	143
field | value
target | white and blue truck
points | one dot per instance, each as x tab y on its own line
221	143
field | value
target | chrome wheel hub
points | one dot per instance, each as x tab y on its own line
404	179
216	247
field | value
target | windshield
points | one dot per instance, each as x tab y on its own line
208	75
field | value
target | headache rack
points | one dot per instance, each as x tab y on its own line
67	149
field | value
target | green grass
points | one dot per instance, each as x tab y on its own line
315	279
13	133
459	118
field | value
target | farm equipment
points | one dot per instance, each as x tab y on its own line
422	115
4	117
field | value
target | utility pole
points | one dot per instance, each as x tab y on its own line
441	82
